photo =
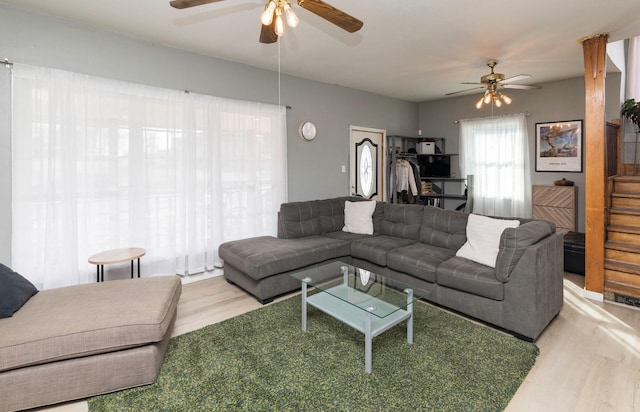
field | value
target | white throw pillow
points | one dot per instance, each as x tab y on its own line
357	217
483	239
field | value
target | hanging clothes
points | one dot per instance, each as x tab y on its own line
416	175
405	183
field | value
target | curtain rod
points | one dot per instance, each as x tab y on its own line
506	115
9	64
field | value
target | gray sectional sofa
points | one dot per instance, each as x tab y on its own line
417	245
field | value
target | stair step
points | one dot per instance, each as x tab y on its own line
624	216
624	247
620	266
624	229
624	290
627	179
623	234
631	195
626	184
632	211
625	200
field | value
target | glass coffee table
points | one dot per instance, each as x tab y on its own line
368	302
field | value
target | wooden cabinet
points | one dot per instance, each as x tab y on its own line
557	204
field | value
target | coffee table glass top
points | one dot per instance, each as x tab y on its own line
379	295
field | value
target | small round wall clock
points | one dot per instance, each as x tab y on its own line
307	131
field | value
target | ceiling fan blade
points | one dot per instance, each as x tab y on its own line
519	86
472	83
516	78
184	4
268	34
466	90
331	14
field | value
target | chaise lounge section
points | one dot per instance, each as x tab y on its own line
78	341
419	245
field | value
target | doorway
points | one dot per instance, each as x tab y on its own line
366	162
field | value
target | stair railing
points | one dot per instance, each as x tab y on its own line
613	163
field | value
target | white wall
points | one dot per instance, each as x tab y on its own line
314	168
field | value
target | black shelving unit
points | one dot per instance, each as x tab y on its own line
434	168
436	198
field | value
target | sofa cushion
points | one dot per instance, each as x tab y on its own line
514	242
82	320
299	219
483	239
264	256
378	216
15	291
331	213
471	277
402	221
419	260
374	249
358	217
345	235
443	228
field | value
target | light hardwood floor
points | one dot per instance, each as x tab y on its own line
589	355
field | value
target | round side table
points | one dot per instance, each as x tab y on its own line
109	257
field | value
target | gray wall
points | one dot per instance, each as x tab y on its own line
561	100
314	168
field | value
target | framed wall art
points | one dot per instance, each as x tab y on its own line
559	146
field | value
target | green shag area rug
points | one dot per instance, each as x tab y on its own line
262	361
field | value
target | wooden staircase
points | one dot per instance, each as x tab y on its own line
622	246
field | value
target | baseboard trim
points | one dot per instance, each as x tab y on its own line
201	276
598	297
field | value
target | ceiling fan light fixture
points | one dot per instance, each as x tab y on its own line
279	26
276	11
292	19
266	17
493	83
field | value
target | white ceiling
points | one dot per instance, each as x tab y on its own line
412	49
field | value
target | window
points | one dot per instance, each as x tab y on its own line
633	69
496	152
101	164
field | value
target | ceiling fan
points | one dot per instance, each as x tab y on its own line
493	82
274	10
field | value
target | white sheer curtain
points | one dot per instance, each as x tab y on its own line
496	152
101	164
